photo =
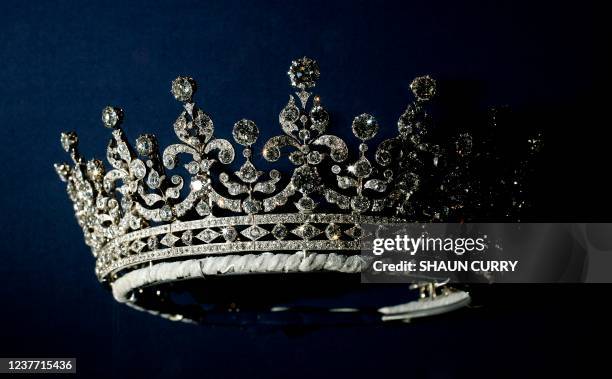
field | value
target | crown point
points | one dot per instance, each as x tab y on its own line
69	140
245	132
365	126
112	117
304	73
183	88
423	87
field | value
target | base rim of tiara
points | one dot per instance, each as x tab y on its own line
233	264
145	289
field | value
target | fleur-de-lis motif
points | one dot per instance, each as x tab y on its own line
304	131
410	151
245	132
195	129
361	173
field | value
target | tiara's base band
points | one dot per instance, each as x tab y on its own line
199	290
119	254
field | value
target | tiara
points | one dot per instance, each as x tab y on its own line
198	208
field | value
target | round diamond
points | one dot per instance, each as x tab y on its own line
314	157
279	231
111	117
165	213
333	231
319	117
153	180
342	202
336	169
331	196
255	233
305	179
362	168
251	206
306	204
176	179
408	182
229	233
183	88
187	237
360	203
245	132
202	208
196	185
280	200
95	169
226	156
145	145
423	87
69	140
304	73
365	126
307	231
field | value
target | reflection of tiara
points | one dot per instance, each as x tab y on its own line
146	224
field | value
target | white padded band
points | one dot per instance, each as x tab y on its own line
233	264
273	263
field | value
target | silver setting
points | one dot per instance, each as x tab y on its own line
154	205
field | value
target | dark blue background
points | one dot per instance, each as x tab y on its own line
61	62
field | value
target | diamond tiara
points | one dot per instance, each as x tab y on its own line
186	204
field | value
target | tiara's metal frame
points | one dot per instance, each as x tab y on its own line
139	211
141	214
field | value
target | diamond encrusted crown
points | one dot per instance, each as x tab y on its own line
186	201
